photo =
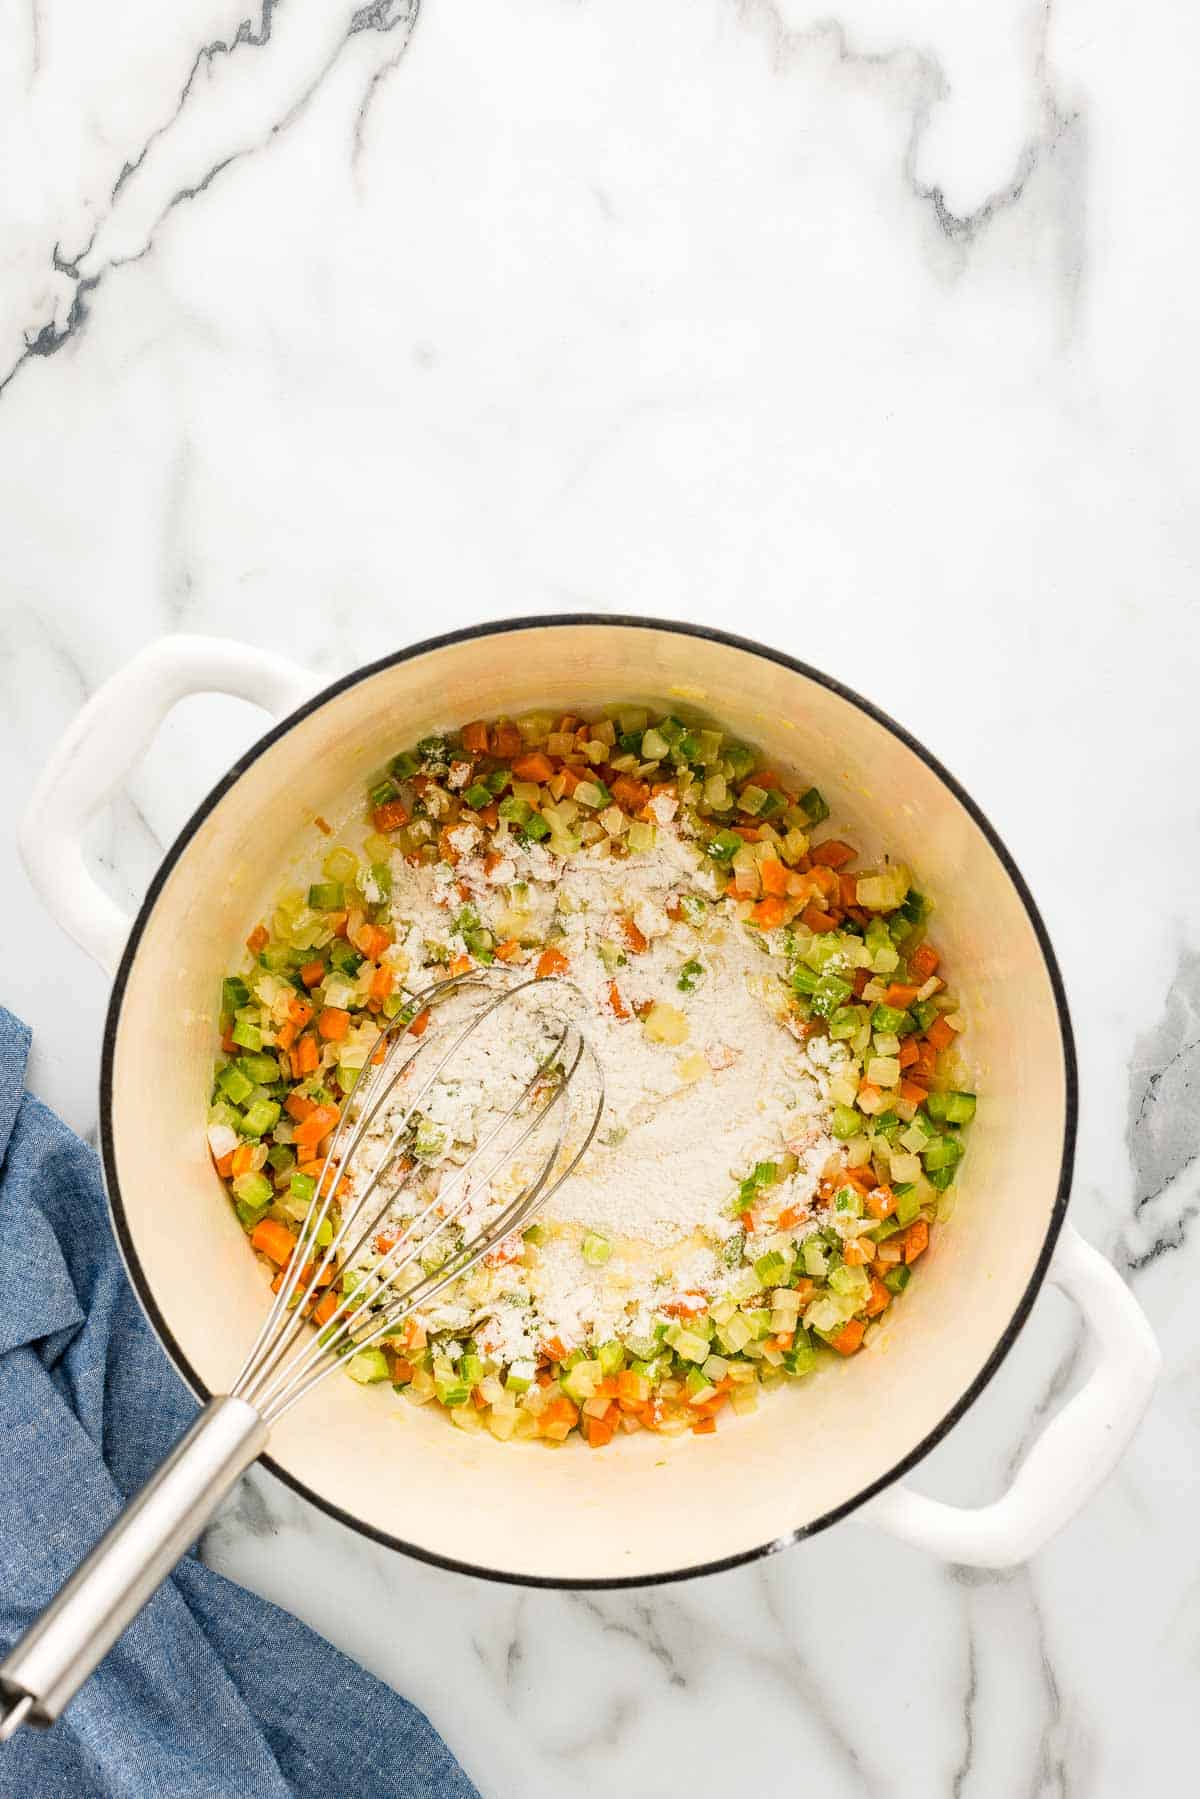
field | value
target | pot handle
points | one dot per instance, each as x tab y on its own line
1074	1454
105	741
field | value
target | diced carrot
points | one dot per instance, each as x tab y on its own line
382	982
913	1093
770	913
634	1388
285	1036
881	1202
571	777
508	951
242	1160
536	766
940	1034
490	816
924	961
748	833
506	741
390	816
826	883
773	875
325	1307
630	793
306	1057
850	1337
598	1431
687	1305
554	1348
318	1124
372	940
901	995
475	738
258	939
620	1009
551	962
324	825
402	1369
848	892
312	973
924	1068
916	1240
704	1427
561	1411
333	1024
861	978
855	1254
908	1053
789	1216
337	922
816	919
224	1165
879	1300
273	1239
634	939
420	1023
298	1107
833	853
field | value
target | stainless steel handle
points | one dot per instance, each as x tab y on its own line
46	1668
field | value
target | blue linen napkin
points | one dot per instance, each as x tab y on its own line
212	1693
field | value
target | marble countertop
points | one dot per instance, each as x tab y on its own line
874	337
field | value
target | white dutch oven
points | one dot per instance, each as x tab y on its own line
646	1509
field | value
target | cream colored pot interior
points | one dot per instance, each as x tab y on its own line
646	1506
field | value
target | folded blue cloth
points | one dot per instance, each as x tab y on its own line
211	1692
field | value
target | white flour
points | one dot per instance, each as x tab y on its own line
684	1121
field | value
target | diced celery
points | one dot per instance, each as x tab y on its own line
848	1201
253	1190
326	896
951	1108
246	1035
689	975
897	1278
812	1254
830	993
772	1269
908	1202
259	1069
520	1377
611	1356
367	1366
813	806
260	1117
736	1332
943	1152
234	994
845	1021
689	1345
595	1248
850	1281
452	1392
845	1121
535	1234
233	1084
654	746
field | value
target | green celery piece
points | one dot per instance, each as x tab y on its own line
326	896
813	806
897	1278
260	1117
536	827
830	992
234	994
846	1122
233	1084
908	1204
246	1035
477	796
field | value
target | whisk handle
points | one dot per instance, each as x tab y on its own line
49	1664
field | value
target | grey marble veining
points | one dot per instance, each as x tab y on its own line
868	333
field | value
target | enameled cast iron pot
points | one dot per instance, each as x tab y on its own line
646	1509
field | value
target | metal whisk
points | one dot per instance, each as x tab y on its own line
45	1669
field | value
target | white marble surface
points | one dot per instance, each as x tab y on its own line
873	337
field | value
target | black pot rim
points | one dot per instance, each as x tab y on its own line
710	634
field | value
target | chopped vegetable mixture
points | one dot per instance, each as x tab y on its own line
807	1272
